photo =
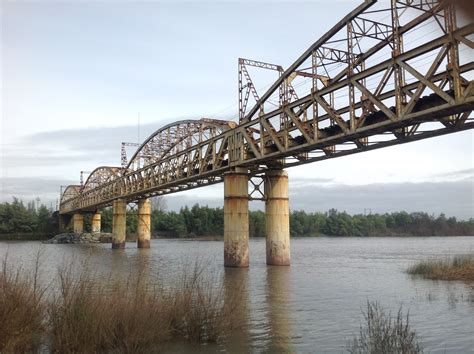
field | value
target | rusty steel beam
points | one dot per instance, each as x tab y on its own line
366	103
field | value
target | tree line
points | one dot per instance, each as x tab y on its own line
16	218
204	221
199	220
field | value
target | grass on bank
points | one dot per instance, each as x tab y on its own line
382	333
22	309
456	268
85	313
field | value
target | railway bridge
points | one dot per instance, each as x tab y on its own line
390	72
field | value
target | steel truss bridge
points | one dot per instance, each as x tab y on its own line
389	72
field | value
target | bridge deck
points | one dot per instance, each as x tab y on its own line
339	114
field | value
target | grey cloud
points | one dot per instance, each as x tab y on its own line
29	188
467	173
311	181
100	146
103	139
90	139
35	159
452	198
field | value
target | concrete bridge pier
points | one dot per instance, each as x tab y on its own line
63	222
119	223
78	223
144	223
277	218
236	218
95	224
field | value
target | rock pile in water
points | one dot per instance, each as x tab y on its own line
72	237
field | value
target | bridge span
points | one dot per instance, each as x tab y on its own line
388	73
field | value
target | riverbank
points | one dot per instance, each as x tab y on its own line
457	268
96	314
19	236
83	238
288	309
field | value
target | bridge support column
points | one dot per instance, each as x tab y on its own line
96	222
63	222
277	218
236	218
119	223
144	223
78	223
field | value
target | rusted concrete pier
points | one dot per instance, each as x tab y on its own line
78	223
277	218
95	223
144	223
119	223
236	218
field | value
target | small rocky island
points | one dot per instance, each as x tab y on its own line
71	237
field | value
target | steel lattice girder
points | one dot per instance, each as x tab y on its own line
425	101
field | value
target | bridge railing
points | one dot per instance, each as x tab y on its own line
425	99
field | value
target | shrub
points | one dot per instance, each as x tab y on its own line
383	334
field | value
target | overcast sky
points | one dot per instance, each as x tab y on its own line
75	75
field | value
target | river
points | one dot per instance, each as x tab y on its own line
316	304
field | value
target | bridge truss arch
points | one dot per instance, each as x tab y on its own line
100	176
388	73
70	192
174	138
70	195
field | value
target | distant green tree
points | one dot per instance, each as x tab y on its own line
15	217
106	220
44	221
257	224
203	221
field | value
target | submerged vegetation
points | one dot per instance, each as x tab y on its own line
383	333
204	221
456	268
83	312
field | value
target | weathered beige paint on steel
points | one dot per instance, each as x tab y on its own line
144	223
236	218
277	218
95	225
78	223
119	223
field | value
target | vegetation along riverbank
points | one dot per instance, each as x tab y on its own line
456	268
82	312
16	218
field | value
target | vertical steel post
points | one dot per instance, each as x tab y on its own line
398	72
453	56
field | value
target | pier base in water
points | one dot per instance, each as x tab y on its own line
78	223
95	224
119	223
144	222
277	218
236	218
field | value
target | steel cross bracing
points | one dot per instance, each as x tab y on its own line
389	72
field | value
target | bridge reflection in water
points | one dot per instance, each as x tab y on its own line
388	73
271	323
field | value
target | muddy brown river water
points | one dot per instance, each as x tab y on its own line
313	306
